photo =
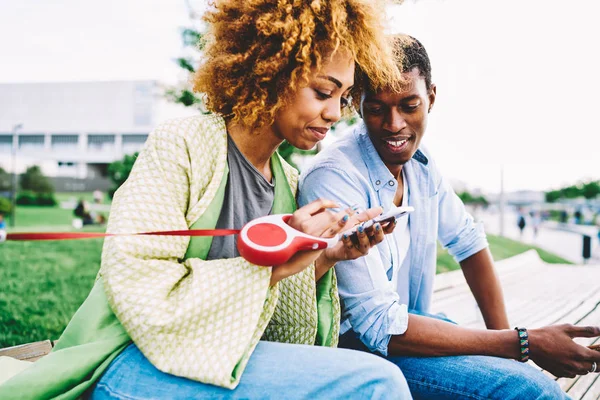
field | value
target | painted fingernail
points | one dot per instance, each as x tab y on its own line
378	227
361	229
345	236
346	218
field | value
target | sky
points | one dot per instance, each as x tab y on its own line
517	80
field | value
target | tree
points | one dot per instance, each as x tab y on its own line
5	181
35	181
5	206
589	190
119	171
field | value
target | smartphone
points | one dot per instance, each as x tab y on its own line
393	213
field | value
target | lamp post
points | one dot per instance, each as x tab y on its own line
15	144
501	199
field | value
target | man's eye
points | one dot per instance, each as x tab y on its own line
374	110
411	107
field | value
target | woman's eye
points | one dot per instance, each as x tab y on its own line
345	101
322	96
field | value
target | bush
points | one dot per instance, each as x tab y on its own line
26	198
5	205
34	180
45	199
29	198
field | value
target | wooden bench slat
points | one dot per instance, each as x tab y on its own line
29	351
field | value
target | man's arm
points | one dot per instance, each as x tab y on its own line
484	283
427	336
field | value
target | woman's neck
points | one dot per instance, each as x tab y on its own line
256	145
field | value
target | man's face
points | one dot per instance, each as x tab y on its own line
395	121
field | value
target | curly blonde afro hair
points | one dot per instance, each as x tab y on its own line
258	52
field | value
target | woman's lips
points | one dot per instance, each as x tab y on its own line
319	133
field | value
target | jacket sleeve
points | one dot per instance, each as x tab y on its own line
197	319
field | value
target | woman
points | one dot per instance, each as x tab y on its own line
174	317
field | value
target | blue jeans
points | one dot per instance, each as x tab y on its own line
275	371
468	377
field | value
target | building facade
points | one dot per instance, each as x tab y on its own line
74	129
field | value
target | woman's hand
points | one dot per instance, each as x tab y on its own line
553	349
314	219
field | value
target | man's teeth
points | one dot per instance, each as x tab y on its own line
396	143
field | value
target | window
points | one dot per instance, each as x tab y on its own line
31	142
64	141
101	142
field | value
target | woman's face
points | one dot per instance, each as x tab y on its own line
313	109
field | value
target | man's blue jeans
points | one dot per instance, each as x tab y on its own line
275	371
468	377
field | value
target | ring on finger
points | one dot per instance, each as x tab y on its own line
594	367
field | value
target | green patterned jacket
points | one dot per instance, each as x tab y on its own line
190	317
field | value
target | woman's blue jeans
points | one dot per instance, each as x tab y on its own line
275	371
468	377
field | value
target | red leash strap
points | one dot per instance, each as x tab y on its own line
91	235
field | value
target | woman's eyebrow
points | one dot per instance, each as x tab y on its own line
332	79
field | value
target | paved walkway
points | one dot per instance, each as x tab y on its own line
551	236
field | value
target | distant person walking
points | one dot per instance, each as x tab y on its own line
521	222
536	220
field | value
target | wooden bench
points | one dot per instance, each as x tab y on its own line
28	352
536	293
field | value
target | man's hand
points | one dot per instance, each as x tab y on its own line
553	349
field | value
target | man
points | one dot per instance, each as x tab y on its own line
386	295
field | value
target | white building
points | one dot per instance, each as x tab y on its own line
75	129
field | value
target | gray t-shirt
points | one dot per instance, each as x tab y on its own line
248	195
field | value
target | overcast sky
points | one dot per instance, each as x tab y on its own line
517	79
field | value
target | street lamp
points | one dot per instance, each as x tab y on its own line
15	144
501	200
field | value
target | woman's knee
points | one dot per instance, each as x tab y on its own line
384	378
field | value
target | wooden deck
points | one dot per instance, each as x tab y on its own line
536	294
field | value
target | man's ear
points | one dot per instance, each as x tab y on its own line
360	104
432	94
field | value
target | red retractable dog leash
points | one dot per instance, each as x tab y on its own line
266	240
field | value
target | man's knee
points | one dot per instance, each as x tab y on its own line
527	382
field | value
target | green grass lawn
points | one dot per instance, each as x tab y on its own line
43	283
501	248
41	286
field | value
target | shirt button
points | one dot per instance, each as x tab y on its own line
391	183
378	182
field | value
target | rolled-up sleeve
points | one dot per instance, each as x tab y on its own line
458	232
370	304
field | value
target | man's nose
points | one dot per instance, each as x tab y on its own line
394	122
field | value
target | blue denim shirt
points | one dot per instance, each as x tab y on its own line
350	171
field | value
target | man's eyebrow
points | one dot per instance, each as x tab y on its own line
332	79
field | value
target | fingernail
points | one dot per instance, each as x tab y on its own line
346	218
345	236
378	227
395	221
361	229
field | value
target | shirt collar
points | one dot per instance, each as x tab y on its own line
379	174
